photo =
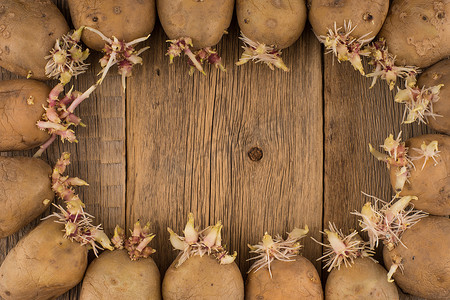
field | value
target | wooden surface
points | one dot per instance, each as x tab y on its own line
175	144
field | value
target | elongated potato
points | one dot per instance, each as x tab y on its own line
203	278
125	19
278	23
432	183
114	276
435	75
21	106
25	192
366	15
425	259
43	265
363	280
203	21
290	280
28	31
418	31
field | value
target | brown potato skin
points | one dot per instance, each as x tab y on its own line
43	265
24	185
113	276
203	278
426	261
290	280
432	184
18	130
125	19
272	22
28	31
418	31
435	75
367	15
364	280
203	21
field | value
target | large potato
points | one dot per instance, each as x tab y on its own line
426	260
21	106
125	19
367	15
290	280
43	265
435	75
363	280
203	278
25	192
203	21
270	22
114	276
418	31
28	31
432	183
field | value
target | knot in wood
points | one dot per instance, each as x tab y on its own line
255	154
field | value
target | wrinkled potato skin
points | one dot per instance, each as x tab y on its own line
364	280
113	276
367	15
426	261
203	278
432	184
125	19
435	75
18	130
28	31
203	21
418	31
272	22
24	185
291	280
43	265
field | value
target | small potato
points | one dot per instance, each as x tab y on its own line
364	280
290	280
25	192
426	260
203	278
432	183
366	15
43	265
279	23
21	106
203	21
435	75
28	31
114	276
417	32
125	19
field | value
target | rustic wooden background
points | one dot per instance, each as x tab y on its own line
175	144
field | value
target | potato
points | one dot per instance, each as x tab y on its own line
426	260
290	280
43	265
125	19
25	192
367	15
365	279
278	23
203	278
203	21
21	106
435	75
418	31
28	31
432	183
114	276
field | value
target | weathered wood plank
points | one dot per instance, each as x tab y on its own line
354	117
189	139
